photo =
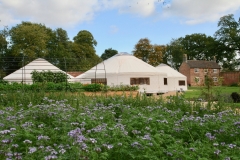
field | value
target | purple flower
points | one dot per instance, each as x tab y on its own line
209	135
93	140
43	137
169	154
231	145
62	151
15	145
215	144
51	157
217	152
136	144
27	141
32	149
6	141
147	137
109	146
5	132
97	149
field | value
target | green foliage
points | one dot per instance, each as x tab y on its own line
124	88
108	53
152	54
49	76
3	82
93	87
39	125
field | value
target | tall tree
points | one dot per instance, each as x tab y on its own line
229	32
83	49
3	50
199	46
59	48
108	53
228	37
156	56
151	54
143	49
174	53
30	40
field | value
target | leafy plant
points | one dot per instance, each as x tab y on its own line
49	76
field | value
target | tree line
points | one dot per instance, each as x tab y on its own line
223	47
27	41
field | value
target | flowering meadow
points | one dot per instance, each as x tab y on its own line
74	126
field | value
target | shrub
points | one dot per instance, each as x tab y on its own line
236	97
233	85
3	82
49	76
93	87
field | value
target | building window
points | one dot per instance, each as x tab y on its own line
196	70
197	79
215	70
181	83
215	79
99	80
139	81
165	81
205	70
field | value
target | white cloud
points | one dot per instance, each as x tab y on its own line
72	12
51	12
199	11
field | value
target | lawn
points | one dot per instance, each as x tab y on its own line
196	92
74	126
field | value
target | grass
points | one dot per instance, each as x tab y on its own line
74	126
196	92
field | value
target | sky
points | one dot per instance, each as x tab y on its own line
120	24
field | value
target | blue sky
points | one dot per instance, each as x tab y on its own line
120	24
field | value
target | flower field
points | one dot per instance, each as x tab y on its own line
39	126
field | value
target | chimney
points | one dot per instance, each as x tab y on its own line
214	59
185	58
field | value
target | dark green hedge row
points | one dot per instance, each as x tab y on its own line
63	86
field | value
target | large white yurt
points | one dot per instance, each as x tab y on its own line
176	81
24	74
126	69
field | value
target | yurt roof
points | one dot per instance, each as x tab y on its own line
39	65
169	70
123	63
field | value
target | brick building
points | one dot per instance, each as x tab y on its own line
197	70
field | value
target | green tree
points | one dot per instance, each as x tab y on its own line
228	37
108	53
143	49
174	53
83	51
199	46
3	50
30	40
156	57
59	48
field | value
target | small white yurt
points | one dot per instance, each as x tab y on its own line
126	69
176	81
24	73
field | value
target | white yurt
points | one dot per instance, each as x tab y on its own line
176	81
24	74
126	69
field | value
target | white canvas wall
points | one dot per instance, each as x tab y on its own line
173	78
120	68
